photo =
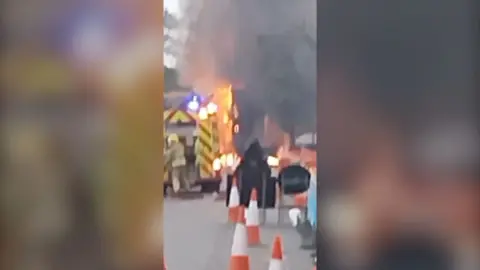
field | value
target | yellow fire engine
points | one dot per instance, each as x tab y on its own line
202	124
207	128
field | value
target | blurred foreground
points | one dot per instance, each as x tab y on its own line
398	136
82	91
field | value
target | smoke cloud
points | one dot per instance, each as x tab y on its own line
267	47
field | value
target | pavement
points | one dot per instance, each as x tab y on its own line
198	236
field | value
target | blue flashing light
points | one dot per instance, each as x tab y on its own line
193	105
192	102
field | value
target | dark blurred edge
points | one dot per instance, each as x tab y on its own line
87	239
339	26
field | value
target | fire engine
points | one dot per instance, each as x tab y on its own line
213	121
206	121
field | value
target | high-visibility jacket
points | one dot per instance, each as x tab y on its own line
175	155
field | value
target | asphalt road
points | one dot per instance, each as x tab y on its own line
197	236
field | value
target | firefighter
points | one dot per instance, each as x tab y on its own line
176	163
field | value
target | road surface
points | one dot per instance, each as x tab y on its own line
197	236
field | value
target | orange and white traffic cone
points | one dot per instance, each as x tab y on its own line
239	259
233	203
276	262
253	223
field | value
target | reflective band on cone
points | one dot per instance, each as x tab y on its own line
233	204
253	224
276	262
275	265
239	259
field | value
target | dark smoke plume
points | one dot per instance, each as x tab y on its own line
267	46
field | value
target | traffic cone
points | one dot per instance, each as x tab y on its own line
239	259
233	203
276	262
253	224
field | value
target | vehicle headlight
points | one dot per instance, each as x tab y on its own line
229	160
273	161
217	164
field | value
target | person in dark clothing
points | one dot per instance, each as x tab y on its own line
250	173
